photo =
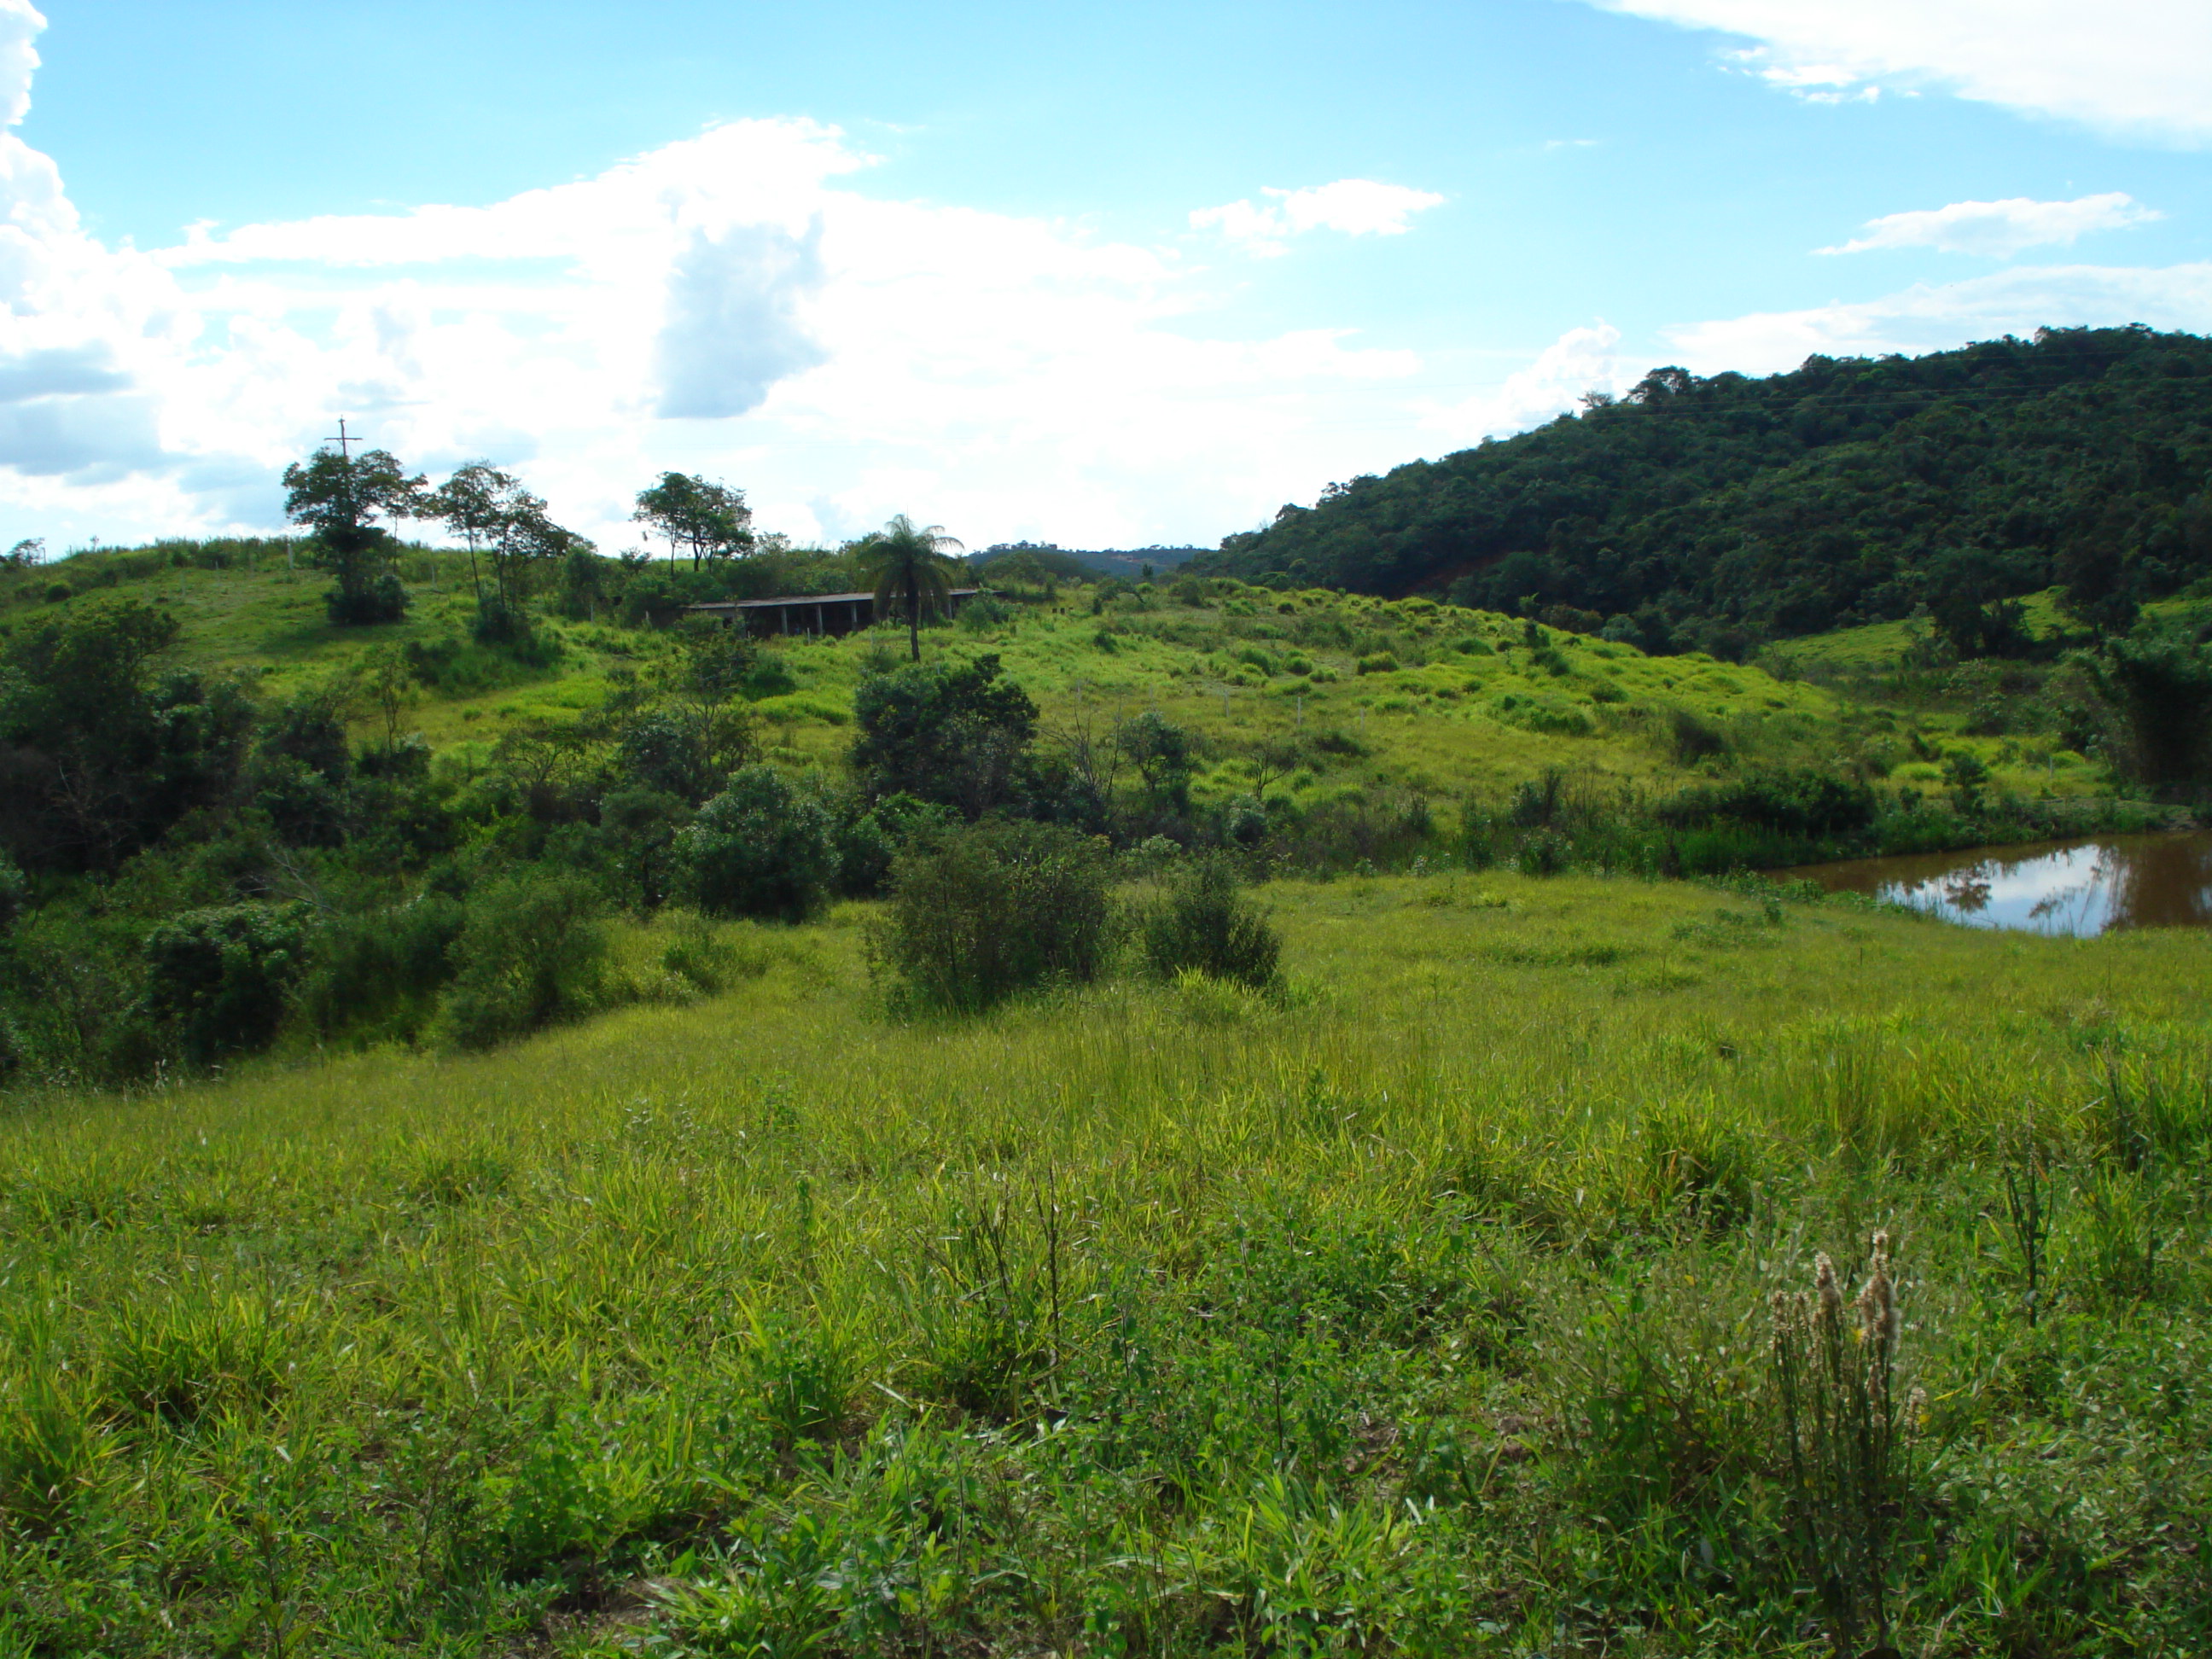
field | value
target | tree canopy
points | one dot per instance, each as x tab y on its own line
1712	512
709	520
337	497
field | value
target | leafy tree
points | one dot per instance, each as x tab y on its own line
906	564
710	520
98	755
1162	753
1966	602
955	736
493	511
2159	678
30	551
337	496
470	504
221	979
759	848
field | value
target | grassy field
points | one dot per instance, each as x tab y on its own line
1424	1308
1450	702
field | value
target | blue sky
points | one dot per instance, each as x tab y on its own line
1098	275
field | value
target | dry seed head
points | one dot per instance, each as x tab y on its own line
1877	1308
1825	1287
1915	1407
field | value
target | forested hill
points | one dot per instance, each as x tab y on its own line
1711	513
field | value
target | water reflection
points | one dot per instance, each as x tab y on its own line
2078	888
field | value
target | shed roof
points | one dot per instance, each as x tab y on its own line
804	598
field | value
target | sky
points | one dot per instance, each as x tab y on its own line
1100	275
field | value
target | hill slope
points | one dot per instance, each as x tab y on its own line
1712	514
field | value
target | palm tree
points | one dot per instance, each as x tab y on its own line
907	563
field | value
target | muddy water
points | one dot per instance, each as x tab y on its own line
2073	887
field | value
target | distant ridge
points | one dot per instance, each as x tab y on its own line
1076	563
1718	513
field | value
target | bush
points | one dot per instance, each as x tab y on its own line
1694	738
1802	802
534	953
759	848
1382	662
1206	925
983	613
1005	906
378	974
222	978
383	601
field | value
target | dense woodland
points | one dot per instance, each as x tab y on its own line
1715	513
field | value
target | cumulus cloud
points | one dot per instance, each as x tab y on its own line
1580	362
1354	207
733	326
2000	229
1931	317
731	304
2130	68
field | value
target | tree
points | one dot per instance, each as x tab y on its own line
30	551
2159	678
335	495
469	505
954	736
98	755
907	564
711	519
759	848
492	510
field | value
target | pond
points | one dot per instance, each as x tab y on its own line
2067	887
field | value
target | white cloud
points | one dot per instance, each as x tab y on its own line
729	304
1582	360
2131	68
2000	229
1355	207
1933	317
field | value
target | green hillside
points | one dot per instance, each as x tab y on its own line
1451	702
1716	513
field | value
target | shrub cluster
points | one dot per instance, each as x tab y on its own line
1004	906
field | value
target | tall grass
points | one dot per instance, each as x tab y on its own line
1420	1307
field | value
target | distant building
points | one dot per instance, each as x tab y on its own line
807	613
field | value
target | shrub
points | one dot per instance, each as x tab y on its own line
759	848
1801	802
378	974
1206	924
1382	662
222	978
534	953
1002	907
1693	738
383	600
983	613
